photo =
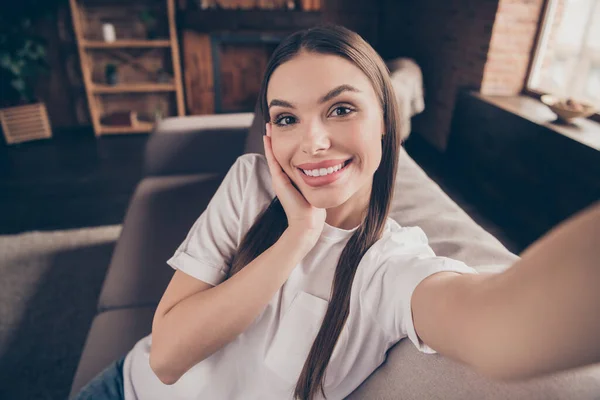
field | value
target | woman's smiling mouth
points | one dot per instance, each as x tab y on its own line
324	176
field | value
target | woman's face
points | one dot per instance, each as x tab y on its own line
325	115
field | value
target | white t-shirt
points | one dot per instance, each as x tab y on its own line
265	361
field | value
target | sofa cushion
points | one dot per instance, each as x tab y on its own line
160	214
419	201
411	375
196	144
112	335
406	374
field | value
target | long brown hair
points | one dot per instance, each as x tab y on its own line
272	222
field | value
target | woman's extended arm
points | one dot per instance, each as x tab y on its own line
539	316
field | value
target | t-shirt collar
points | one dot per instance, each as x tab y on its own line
332	232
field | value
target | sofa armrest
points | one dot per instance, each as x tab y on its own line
196	144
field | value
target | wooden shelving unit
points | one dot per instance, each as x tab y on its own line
102	96
134	88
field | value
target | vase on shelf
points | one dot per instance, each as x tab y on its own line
108	33
111	74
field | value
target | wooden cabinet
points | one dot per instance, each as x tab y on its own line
526	173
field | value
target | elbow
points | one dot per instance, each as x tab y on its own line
161	371
158	359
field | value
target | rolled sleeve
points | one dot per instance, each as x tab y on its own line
406	260
199	269
415	275
208	249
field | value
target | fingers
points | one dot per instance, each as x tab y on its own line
274	166
269	150
286	191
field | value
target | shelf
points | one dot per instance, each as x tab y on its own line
132	50
141	127
97	44
134	88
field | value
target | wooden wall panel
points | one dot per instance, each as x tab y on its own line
242	70
198	73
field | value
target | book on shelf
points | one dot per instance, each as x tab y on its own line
120	118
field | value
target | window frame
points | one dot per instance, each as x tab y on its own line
540	41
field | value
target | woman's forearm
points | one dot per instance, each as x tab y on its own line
544	311
202	324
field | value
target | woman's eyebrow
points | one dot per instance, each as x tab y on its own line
337	91
280	103
330	95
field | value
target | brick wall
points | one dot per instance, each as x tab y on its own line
474	44
511	46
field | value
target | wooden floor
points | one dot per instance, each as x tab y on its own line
77	180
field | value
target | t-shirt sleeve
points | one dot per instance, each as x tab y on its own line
207	251
407	263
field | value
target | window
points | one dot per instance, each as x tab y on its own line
567	60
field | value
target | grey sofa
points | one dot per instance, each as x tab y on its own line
185	160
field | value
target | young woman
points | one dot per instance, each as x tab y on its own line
294	283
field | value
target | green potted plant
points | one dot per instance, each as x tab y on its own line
22	61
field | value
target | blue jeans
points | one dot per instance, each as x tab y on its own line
107	385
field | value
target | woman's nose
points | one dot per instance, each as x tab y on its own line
315	138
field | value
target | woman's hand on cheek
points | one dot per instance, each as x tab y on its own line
302	216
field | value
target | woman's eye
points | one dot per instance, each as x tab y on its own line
341	111
285	120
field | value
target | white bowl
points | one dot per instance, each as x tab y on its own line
564	112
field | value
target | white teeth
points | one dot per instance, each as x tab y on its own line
323	171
